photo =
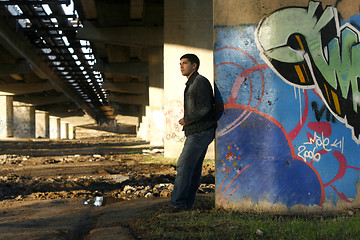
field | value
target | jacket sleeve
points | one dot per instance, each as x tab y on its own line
203	100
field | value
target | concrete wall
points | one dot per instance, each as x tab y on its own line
187	29
286	77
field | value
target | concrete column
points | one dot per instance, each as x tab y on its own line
156	94
6	116
64	130
289	133
188	30
144	128
24	120
55	127
42	122
74	133
71	131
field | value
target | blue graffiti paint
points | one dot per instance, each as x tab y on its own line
268	165
273	174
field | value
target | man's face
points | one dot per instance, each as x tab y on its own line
186	67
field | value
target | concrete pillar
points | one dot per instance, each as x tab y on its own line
288	134
55	127
64	130
71	131
6	116
24	120
74	133
185	31
42	126
156	93
144	128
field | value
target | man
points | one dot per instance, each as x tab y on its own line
199	126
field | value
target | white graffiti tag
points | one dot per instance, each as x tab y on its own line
318	145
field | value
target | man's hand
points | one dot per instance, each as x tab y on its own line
182	122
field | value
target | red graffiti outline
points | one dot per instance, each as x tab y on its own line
230	183
341	195
231	103
342	167
243	107
246	72
237	84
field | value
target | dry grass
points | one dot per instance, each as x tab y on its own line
207	222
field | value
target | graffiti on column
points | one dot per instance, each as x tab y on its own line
312	51
173	112
22	130
280	136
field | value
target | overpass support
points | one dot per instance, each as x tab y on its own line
42	121
55	127
185	31
156	93
24	120
6	116
144	126
65	130
152	126
71	131
289	124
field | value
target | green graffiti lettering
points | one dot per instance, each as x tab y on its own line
312	38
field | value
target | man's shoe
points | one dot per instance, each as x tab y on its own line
175	209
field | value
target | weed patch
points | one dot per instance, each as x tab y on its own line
207	222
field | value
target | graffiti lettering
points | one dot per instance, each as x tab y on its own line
319	142
337	144
319	113
308	154
319	145
311	50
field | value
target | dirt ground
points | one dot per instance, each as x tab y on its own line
44	185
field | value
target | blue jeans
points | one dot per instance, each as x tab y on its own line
189	167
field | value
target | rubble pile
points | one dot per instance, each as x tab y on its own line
20	187
122	179
12	159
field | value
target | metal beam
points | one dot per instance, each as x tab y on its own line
127	68
17	44
25	88
129	36
25	16
34	2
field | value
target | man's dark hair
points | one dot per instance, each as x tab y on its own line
193	59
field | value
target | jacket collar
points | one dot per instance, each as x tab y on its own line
192	78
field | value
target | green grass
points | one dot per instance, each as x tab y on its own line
206	222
